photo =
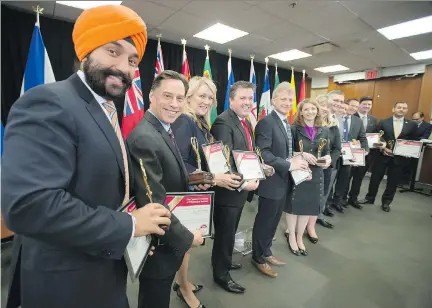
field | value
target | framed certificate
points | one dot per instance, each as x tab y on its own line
299	176
355	144
249	165
373	139
138	248
408	148
358	158
193	209
215	157
346	151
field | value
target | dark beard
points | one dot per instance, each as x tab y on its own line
96	75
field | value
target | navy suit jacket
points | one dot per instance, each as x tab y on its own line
423	131
62	182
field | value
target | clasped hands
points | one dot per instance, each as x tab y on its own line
312	160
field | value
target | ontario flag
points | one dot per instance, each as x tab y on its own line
185	66
134	106
159	67
292	113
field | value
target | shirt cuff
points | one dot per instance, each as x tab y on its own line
133	227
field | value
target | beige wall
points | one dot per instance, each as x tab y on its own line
316	92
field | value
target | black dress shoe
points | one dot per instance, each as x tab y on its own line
338	208
356	204
345	203
366	201
180	295
328	213
197	287
230	286
235	266
385	207
313	240
325	224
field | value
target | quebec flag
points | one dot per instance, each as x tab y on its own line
230	83
38	69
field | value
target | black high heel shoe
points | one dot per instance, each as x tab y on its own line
313	240
180	295
303	252
197	287
295	252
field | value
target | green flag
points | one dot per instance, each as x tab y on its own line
208	74
276	80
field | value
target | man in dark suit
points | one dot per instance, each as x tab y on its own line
65	174
395	127
424	129
357	173
273	137
232	128
351	128
152	141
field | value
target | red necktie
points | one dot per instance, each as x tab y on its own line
248	136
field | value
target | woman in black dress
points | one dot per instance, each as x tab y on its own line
304	202
195	122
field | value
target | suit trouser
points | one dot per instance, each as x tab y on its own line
329	178
265	226
226	220
342	178
394	175
155	292
356	178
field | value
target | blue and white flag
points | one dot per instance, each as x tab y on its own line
38	68
253	115
230	83
265	103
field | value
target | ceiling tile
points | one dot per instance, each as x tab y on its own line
150	12
174	4
415	43
250	20
190	24
214	10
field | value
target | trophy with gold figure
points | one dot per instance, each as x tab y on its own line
268	170
227	153
321	144
380	140
199	177
390	146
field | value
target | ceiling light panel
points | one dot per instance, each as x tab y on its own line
331	68
422	55
290	55
409	28
88	4
220	33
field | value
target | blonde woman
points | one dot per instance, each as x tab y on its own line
306	197
195	122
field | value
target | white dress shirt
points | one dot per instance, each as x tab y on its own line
364	118
102	100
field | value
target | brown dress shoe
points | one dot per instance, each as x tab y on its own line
275	261
265	269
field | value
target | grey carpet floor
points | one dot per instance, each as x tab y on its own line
371	259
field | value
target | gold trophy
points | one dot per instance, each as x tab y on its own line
147	186
301	146
321	144
380	140
199	177
268	170
390	146
227	153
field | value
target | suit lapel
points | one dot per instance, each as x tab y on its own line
166	137
391	128
282	128
239	126
351	129
405	127
302	131
95	110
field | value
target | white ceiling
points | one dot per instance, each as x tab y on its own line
276	26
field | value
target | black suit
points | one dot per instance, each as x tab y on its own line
394	165
165	170
358	173
357	132
272	138
424	130
62	182
228	204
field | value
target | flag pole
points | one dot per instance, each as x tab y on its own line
276	67
159	38
39	11
183	41
207	48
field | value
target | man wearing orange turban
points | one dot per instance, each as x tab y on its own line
65	174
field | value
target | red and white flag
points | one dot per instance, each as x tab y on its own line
134	106
185	66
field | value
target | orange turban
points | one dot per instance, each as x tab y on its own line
101	25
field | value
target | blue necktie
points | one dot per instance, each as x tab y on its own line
346	132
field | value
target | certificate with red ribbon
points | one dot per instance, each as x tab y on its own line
408	148
249	165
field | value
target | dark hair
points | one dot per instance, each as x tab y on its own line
366	98
240	85
397	103
420	113
349	99
166	75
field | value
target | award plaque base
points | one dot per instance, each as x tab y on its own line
202	177
321	161
268	171
377	145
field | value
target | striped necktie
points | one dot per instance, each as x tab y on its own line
288	131
112	112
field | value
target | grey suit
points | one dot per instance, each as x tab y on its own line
62	181
166	172
272	138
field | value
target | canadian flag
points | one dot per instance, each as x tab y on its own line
185	66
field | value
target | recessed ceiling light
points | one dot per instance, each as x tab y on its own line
220	33
290	55
331	68
422	55
409	28
88	4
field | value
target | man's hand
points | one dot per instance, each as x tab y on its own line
299	165
251	185
227	180
202	186
310	158
149	218
380	145
198	238
387	152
